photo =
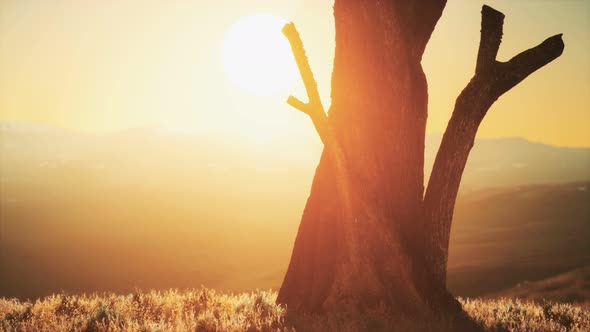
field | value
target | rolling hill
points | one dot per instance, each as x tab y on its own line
569	287
150	209
502	237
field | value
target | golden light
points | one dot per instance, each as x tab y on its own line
257	57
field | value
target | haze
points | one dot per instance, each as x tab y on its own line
103	66
129	158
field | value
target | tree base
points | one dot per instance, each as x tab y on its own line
371	319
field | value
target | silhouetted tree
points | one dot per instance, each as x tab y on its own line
370	236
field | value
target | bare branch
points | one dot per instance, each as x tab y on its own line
527	62
314	107
298	104
504	76
491	80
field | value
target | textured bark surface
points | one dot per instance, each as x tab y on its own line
491	80
368	237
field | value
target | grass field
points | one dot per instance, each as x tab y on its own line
206	310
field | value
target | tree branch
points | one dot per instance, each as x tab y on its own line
492	22
527	62
313	107
491	80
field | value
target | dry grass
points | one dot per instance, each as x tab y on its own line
206	310
515	315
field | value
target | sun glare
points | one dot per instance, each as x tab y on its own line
257	57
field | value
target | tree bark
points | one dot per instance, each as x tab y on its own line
491	80
367	236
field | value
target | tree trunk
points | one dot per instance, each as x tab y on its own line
368	236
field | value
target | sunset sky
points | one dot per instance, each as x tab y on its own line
107	65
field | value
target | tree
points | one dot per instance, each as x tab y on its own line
369	235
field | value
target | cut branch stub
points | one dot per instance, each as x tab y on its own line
313	107
492	22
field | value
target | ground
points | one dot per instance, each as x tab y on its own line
207	310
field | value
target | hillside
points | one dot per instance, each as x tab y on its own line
141	238
148	209
205	310
569	287
505	236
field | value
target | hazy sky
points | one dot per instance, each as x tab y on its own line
108	65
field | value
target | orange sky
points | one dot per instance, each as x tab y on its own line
107	65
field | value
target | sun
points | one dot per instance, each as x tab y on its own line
257	57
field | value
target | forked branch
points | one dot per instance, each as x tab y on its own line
313	107
492	79
505	75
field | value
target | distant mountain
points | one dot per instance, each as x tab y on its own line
516	161
498	162
25	127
